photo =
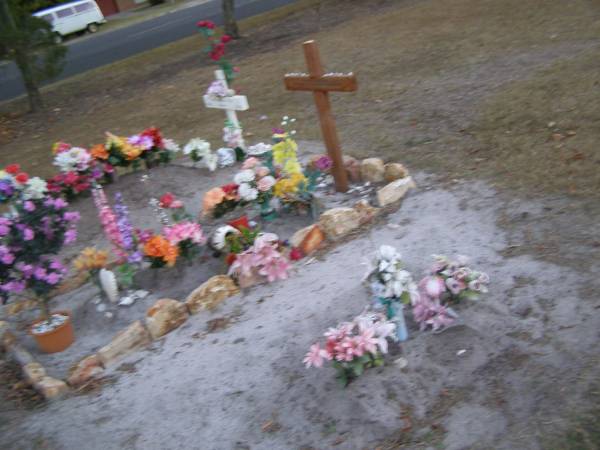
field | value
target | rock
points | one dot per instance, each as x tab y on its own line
246	281
372	169
51	387
210	293
299	236
34	372
3	329
88	368
338	222
164	316
313	240
352	167
131	338
394	171
365	211
394	191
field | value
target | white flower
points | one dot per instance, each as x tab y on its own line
259	149
247	192
76	158
35	188
285	118
244	176
211	161
388	253
171	145
293	132
201	147
226	156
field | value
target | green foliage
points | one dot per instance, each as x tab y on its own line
237	243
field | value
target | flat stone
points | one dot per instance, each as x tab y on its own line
51	387
33	372
338	222
372	169
164	316
313	240
394	171
210	293
394	191
366	211
88	368
128	340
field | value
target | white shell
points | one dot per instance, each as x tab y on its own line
127	301
218	238
109	285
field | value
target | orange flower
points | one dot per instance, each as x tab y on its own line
212	198
159	247
99	152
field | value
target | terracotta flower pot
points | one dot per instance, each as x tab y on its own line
239	222
56	340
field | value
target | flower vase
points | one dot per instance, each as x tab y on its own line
267	212
398	319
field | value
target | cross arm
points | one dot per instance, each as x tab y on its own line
333	82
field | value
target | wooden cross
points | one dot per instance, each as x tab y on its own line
321	83
230	104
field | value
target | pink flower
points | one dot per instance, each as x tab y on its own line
184	231
265	183
455	286
40	273
432	286
261	171
244	264
7	258
53	278
250	163
275	269
366	340
29	206
315	356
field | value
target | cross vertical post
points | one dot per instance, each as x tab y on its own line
320	84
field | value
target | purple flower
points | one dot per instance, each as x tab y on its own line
7	258
40	273
59	203
53	278
123	222
25	269
13	286
28	234
29	206
55	264
135	257
138	140
71	216
70	236
323	163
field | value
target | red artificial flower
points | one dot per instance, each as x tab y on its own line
214	56
225	38
167	200
230	189
230	258
80	187
22	178
108	168
71	178
13	169
206	24
156	136
296	254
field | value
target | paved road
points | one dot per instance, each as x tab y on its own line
105	48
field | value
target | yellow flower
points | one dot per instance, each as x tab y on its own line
292	167
91	259
284	150
130	152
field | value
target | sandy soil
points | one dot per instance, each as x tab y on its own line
530	360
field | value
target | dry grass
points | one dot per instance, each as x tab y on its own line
460	87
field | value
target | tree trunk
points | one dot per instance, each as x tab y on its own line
33	93
231	27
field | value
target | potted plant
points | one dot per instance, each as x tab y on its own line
31	234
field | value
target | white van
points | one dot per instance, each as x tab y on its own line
72	17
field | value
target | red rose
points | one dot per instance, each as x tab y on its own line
166	200
201	24
71	178
210	25
296	254
80	187
230	189
154	133
225	38
13	169
22	178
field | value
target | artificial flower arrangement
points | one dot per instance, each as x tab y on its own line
353	346
199	151
79	170
14	183
448	282
148	146
272	179
392	287
262	261
216	48
32	233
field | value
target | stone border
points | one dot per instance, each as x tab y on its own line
167	314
